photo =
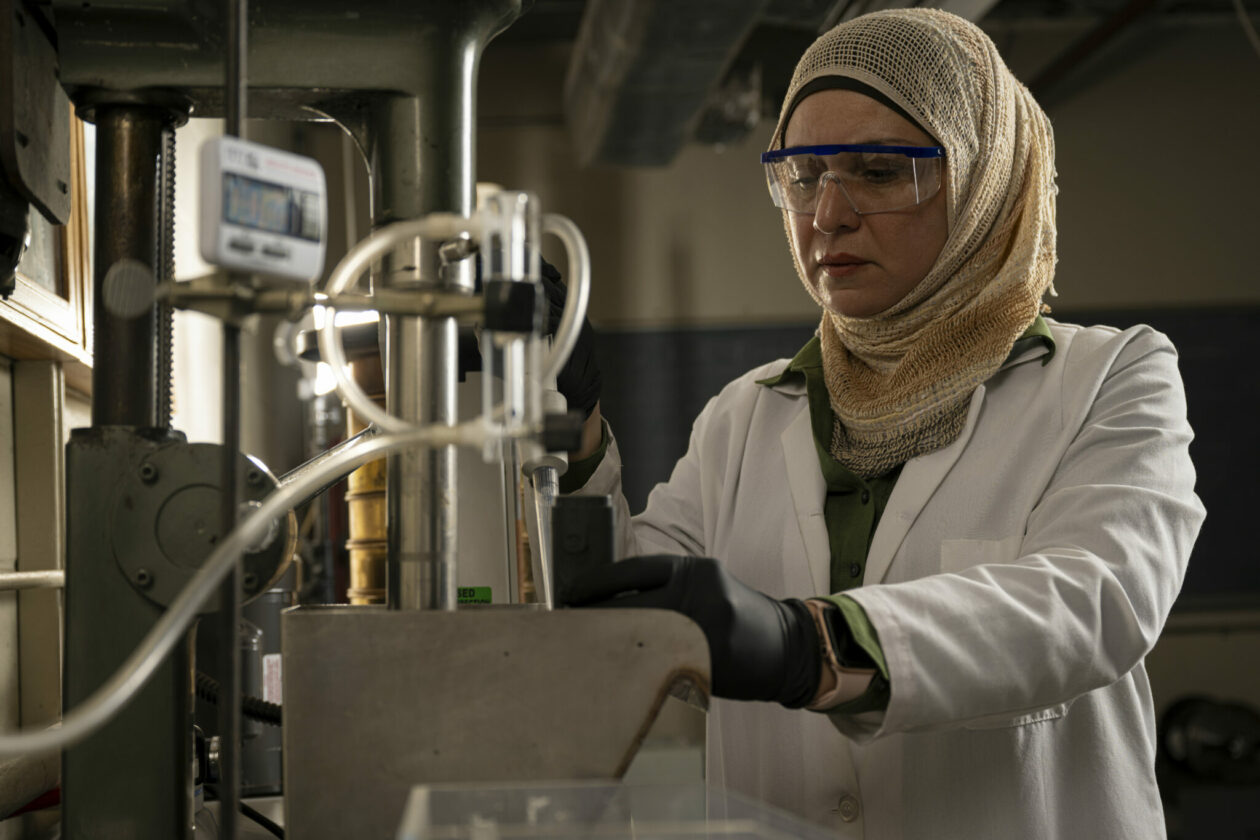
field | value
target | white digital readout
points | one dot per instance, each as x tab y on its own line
268	207
264	210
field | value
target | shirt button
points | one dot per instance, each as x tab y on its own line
848	808
854	570
866	496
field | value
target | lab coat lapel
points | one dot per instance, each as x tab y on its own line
918	481
808	488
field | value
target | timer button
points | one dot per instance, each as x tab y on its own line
241	244
276	251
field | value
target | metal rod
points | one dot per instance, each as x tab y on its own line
229	619
295	475
432	136
421	485
512	514
129	141
53	579
236	91
229	616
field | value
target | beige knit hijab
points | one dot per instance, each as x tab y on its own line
900	381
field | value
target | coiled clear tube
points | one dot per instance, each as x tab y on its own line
447	226
358	260
579	294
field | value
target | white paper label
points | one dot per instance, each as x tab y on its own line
271	678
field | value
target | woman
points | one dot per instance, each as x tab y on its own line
988	513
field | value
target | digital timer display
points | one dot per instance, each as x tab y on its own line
272	208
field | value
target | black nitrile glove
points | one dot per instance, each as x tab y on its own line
579	380
759	648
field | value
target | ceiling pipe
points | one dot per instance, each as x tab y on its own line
1088	47
641	73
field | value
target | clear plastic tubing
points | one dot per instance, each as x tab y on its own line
107	700
578	298
447	226
357	261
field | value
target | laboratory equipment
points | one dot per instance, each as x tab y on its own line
150	538
264	210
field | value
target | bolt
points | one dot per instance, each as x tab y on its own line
214	754
148	473
143	578
253	478
250	580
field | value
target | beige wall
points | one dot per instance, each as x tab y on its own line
1157	203
9	697
695	243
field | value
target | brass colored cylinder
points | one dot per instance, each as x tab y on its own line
365	500
526	593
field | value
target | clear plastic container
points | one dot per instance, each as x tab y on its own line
601	810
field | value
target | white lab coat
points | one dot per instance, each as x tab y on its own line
1017	579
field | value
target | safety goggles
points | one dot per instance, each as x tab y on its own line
874	179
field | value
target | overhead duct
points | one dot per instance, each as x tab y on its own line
641	72
647	77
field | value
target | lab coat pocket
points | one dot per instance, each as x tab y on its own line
1008	721
957	555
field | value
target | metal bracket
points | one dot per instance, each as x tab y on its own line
128	293
167	522
34	114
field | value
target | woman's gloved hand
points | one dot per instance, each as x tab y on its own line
579	380
759	648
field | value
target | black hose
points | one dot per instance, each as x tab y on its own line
251	707
271	825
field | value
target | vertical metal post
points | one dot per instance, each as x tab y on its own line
229	618
128	145
429	136
105	614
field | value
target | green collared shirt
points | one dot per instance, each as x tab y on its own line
852	509
854	506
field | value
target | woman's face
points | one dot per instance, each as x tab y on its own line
860	266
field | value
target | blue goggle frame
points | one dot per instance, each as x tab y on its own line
823	151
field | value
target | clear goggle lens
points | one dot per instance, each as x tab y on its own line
874	179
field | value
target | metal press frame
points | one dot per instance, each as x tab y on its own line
400	78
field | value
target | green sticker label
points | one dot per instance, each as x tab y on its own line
474	595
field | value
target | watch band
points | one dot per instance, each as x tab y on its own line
851	683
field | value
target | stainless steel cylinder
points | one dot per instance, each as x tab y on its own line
421	163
